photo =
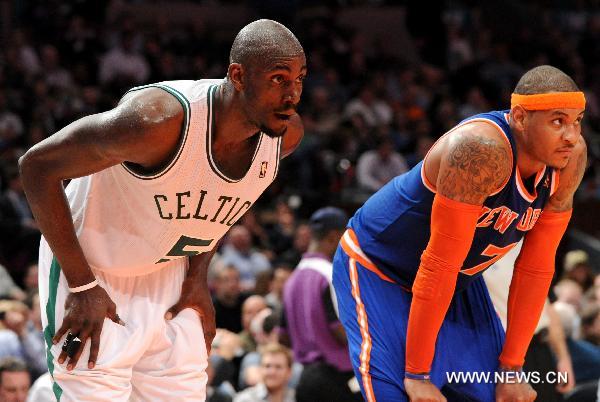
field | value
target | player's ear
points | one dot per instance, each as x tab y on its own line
235	73
518	115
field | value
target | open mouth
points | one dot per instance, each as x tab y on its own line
283	116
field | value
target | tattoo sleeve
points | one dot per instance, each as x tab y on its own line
570	178
473	167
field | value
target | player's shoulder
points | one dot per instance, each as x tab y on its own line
476	162
150	104
480	140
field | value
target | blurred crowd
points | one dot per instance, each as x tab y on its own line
369	115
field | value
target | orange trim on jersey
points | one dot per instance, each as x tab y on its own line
523	189
351	246
366	344
548	101
426	181
555	181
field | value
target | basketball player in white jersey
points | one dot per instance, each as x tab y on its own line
157	181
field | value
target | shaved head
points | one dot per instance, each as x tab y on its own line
544	79
262	41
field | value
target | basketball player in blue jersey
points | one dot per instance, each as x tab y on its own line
157	181
407	273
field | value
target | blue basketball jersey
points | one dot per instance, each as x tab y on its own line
393	226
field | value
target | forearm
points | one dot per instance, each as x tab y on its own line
452	229
531	280
51	210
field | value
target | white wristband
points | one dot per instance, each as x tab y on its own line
83	288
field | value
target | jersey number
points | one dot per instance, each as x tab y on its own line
490	251
179	250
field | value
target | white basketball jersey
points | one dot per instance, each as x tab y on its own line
131	224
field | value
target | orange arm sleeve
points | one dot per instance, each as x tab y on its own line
531	280
452	230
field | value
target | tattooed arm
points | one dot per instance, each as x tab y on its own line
474	161
570	178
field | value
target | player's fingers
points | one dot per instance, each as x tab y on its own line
61	331
65	348
62	357
81	340
94	346
173	311
111	313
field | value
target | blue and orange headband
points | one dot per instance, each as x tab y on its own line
547	101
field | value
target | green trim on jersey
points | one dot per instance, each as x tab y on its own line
210	129
50	329
183	136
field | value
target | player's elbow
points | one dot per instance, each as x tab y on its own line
25	163
32	167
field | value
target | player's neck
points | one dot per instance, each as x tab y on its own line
527	164
231	124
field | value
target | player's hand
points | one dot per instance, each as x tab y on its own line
422	391
84	317
515	392
195	295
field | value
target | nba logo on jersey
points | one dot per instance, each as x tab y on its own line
263	169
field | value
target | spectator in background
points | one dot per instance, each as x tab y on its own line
585	356
225	357
13	318
276	371
22	335
8	288
19	234
228	298
30	281
14	380
302	237
370	108
281	233
569	291
378	166
262	330
214	394
56	75
123	64
251	307
310	322
238	252
11	124
590	324
279	277
577	267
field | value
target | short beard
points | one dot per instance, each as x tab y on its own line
271	133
